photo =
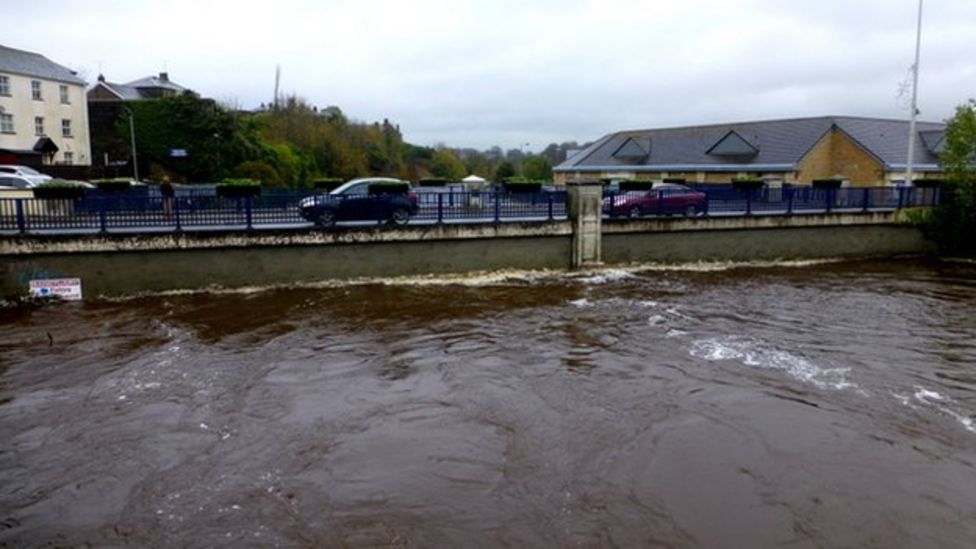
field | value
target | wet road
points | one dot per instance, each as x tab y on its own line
818	405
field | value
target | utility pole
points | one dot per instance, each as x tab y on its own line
132	136
909	165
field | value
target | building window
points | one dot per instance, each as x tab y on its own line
36	90
69	157
39	125
4	85
65	127
64	94
6	123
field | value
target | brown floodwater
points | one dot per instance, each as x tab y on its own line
819	405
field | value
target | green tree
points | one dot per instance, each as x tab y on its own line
537	168
447	165
504	170
214	138
953	224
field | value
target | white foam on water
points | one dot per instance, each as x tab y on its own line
943	404
656	320
581	303
752	353
607	277
489	278
672	333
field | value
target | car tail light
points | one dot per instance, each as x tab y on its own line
413	197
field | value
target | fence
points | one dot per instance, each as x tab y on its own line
201	209
768	201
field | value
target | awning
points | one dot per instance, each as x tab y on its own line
45	145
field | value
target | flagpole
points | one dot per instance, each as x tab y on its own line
909	165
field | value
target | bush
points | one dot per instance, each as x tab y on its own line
828	183
236	188
59	189
432	182
258	170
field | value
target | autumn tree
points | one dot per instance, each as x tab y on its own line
954	221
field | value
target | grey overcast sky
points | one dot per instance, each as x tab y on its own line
501	72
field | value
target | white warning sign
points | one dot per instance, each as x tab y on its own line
68	289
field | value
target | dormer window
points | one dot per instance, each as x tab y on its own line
733	144
631	150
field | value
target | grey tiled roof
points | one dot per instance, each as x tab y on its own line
127	93
34	64
155	82
780	143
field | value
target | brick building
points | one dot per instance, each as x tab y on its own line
862	151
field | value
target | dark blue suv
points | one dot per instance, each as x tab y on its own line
367	199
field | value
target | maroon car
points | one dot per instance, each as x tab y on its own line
663	198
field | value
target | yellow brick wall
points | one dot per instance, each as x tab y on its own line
837	154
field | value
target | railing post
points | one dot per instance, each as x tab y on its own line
247	212
708	199
660	203
440	208
498	206
748	202
550	205
21	218
102	216
867	198
176	213
789	200
901	197
829	199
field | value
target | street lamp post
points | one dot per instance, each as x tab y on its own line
132	136
909	165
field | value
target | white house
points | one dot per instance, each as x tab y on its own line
43	111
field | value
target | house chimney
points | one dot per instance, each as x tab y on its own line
101	77
164	76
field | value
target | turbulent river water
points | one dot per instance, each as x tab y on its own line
817	405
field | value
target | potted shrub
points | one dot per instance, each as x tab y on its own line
389	187
238	188
60	190
747	183
327	183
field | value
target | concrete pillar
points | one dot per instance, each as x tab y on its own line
585	209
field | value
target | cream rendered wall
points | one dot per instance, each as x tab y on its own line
24	108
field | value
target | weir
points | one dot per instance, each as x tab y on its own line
119	264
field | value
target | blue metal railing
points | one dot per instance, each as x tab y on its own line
767	201
150	212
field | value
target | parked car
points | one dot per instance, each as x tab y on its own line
30	174
8	181
663	198
353	201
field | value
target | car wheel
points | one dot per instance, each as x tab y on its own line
326	218
691	210
400	217
635	211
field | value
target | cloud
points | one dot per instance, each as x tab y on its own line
480	73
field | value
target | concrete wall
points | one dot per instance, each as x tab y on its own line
114	265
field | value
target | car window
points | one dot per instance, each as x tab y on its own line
29	171
360	188
8	169
15	182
